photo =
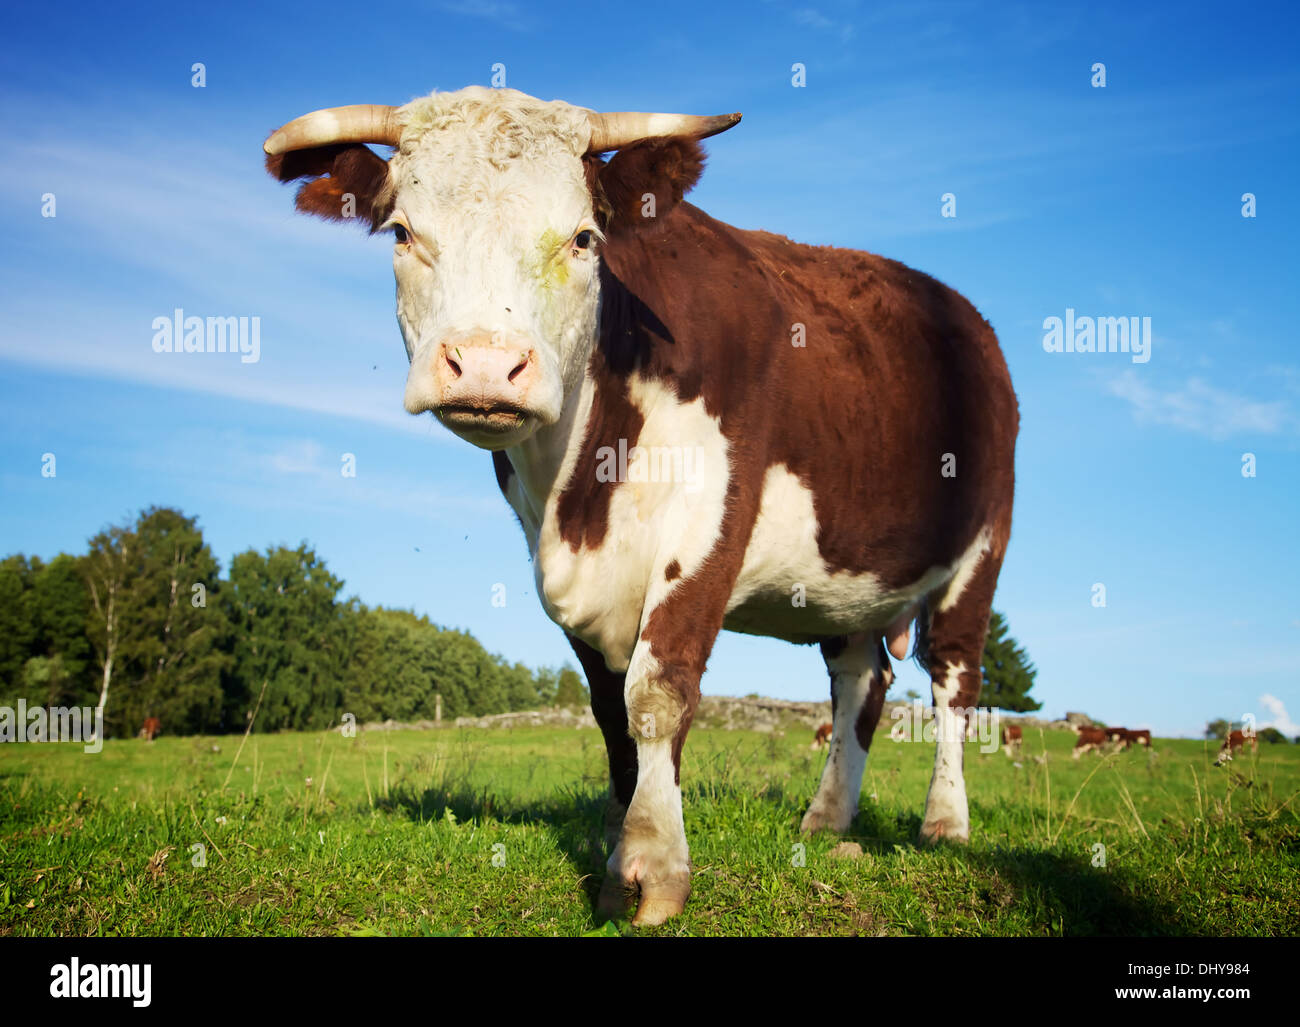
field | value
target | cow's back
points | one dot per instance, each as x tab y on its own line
876	388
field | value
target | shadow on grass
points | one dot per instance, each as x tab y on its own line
1060	892
574	818
1075	898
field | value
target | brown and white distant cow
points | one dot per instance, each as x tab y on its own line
1011	739
1234	743
1124	738
150	728
699	427
823	736
1089	738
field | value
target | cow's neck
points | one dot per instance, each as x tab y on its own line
545	459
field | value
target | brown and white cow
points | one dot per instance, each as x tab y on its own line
1137	736
1234	743
823	736
150	728
1089	738
699	427
1012	737
1125	738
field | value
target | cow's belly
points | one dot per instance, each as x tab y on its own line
785	588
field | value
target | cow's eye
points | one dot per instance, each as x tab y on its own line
582	240
401	235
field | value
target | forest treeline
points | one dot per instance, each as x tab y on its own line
145	623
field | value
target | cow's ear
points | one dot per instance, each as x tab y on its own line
347	182
642	183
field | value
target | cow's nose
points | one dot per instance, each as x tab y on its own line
485	364
484	372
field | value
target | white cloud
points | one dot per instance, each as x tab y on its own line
300	456
1202	408
1279	718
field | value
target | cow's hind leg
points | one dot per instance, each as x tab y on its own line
608	707
860	677
953	651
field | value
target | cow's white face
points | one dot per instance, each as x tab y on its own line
495	259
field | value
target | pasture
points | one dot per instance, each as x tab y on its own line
467	831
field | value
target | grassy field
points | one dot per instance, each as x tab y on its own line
488	832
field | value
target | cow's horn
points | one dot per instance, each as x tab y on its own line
360	123
610	131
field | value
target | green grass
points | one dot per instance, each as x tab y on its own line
310	837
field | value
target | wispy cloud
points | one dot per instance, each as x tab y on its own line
499	12
815	19
1278	716
1201	408
208	232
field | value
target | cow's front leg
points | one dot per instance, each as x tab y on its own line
607	706
651	862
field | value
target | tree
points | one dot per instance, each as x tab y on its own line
107	569
61	609
290	631
175	655
1217	730
1271	735
570	690
17	624
1008	674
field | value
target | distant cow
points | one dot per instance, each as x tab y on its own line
1236	741
1124	738
1141	736
1089	738
823	736
150	728
1011	738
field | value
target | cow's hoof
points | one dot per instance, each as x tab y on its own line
658	887
818	818
935	831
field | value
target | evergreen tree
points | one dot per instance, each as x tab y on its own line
1008	675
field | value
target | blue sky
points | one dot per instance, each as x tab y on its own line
1116	201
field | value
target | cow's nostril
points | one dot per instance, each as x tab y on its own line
451	362
519	368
